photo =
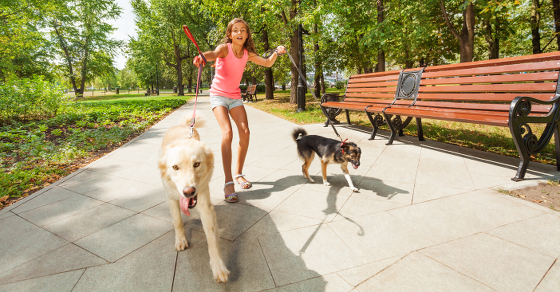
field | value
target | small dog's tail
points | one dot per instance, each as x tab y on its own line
298	133
186	119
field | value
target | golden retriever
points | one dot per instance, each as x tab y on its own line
186	165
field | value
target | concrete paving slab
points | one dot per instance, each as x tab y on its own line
141	197
445	219
317	205
59	210
497	263
379	236
67	258
135	274
395	169
306	253
87	222
327	283
35	201
540	234
391	191
356	276
120	239
55	283
423	193
417	272
243	258
456	174
277	221
550	281
357	207
266	196
21	242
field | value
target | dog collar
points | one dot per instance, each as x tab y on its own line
342	144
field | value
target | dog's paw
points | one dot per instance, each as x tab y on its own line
311	180
327	183
355	190
181	243
221	273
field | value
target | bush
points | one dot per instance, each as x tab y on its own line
243	87
27	99
340	84
261	88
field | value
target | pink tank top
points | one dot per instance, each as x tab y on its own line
229	71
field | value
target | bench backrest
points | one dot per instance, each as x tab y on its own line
252	89
495	81
379	85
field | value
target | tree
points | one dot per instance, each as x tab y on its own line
82	33
466	38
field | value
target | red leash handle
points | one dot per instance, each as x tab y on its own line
198	81
191	37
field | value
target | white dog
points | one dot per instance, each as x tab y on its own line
186	165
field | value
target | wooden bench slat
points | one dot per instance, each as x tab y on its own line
505	78
376	89
490	119
371	95
373	84
392	77
500	62
515	87
542	66
491	97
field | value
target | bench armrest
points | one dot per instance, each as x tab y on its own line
520	107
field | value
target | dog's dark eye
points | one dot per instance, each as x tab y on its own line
175	167
196	164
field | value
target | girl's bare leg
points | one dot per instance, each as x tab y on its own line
222	117
239	116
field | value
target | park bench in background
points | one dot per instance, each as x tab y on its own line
249	93
510	92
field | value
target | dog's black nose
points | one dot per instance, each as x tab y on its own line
189	192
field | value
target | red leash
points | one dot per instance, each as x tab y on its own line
198	81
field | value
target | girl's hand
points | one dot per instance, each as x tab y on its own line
280	50
197	61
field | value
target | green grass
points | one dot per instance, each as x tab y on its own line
480	137
36	153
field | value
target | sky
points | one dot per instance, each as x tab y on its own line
125	28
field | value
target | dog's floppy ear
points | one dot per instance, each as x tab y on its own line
209	158
162	164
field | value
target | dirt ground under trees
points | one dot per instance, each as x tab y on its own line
544	194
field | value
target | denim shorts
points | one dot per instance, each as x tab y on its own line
229	103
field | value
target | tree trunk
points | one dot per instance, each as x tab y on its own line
68	59
492	39
268	77
318	65
466	38
380	67
556	8
84	67
323	88
535	23
294	47
178	68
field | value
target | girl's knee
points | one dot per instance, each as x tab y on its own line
227	135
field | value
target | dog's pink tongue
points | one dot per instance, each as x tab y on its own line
184	203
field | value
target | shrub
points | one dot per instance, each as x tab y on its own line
29	98
261	88
340	84
243	87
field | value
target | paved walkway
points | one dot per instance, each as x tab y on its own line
428	218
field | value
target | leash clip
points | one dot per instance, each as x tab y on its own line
192	130
342	144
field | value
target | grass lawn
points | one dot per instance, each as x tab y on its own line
481	137
34	154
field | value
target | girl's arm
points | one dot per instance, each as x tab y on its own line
266	62
219	52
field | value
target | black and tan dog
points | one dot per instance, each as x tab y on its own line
330	151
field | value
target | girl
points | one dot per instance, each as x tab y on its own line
225	96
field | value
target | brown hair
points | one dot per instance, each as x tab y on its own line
249	45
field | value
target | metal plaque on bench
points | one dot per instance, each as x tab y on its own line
408	84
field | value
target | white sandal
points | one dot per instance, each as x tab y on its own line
244	185
230	198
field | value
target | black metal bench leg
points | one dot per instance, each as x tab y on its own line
557	145
394	131
348	117
419	128
524	155
375	127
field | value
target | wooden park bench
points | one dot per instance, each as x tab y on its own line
511	92
249	93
